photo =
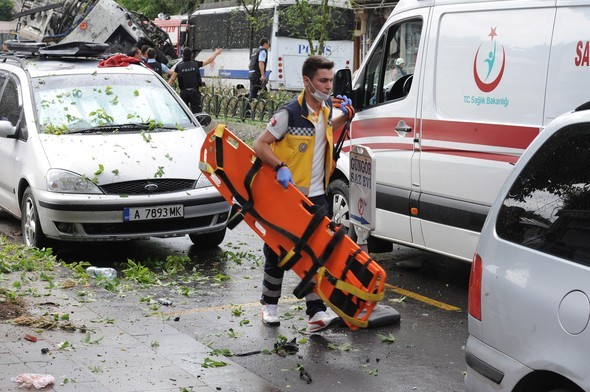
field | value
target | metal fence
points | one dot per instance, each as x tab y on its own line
234	103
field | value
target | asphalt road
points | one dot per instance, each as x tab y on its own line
222	311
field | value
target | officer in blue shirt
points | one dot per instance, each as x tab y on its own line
257	68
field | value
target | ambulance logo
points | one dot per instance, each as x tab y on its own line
489	65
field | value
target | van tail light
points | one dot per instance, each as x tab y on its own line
474	303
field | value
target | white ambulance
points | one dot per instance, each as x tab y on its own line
478	80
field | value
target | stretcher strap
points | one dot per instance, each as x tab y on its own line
288	261
309	275
248	181
250	202
360	270
347	287
345	315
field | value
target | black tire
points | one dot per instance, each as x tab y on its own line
562	390
339	205
30	224
208	240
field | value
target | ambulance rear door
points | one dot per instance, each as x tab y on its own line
568	81
482	106
388	89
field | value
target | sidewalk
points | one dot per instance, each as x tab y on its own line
115	346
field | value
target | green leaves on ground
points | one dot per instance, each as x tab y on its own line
209	363
389	338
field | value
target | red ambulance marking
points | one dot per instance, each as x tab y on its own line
501	135
582	54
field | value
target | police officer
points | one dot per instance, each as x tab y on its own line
189	78
257	68
159	68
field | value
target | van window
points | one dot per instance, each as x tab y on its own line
10	104
548	206
389	71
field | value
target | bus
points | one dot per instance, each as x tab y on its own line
227	28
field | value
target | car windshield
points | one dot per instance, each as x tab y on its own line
99	102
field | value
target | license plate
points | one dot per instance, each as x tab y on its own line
149	213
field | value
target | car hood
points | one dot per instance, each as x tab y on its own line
117	157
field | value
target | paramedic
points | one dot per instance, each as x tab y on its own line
298	143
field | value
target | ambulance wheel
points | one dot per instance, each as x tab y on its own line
208	240
339	205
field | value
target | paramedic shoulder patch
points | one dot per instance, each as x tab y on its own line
302	147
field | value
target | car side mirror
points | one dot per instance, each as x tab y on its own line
343	82
203	118
7	129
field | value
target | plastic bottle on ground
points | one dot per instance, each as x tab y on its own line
109	273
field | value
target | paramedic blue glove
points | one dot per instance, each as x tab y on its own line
345	105
284	176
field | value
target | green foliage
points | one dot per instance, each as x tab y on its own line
15	258
5	10
312	22
139	273
151	8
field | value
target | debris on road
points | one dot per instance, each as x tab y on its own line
37	380
304	374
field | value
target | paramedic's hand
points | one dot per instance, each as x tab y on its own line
284	177
345	105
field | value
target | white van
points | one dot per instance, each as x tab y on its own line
481	80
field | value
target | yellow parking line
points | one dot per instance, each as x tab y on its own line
422	298
395	289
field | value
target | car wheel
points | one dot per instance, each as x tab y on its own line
208	240
339	203
30	225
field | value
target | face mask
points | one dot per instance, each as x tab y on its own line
317	94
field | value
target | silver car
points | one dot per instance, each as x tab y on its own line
101	153
529	306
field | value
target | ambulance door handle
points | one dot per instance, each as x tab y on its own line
403	127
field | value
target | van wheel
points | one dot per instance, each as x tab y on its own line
339	205
30	225
208	240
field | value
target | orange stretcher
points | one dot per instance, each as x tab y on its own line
306	240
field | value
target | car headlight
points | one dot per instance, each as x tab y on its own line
67	182
202	182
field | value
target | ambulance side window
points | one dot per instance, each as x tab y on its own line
389	71
372	76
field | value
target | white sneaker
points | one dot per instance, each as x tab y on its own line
269	315
321	320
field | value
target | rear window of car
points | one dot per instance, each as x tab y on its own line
548	206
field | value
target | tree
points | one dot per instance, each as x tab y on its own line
5	9
256	22
311	20
151	8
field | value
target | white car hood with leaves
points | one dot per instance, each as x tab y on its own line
118	157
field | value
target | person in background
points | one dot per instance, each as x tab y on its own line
257	68
398	70
298	144
144	49
135	52
160	68
189	78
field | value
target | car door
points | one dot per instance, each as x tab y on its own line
387	120
11	109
